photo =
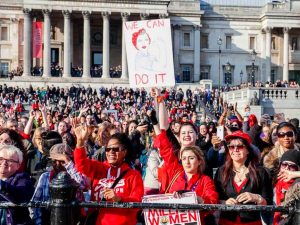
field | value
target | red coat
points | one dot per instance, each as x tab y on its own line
130	188
205	187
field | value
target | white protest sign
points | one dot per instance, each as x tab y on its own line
149	53
171	216
112	112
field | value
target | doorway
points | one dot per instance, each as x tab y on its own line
55	56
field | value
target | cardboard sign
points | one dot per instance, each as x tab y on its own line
112	112
170	216
149	53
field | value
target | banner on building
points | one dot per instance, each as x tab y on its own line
149	53
37	39
171	216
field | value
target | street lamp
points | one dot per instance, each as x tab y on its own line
253	55
228	70
241	76
219	43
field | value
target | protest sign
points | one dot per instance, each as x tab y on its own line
171	216
112	112
149	53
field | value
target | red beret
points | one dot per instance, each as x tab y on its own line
238	134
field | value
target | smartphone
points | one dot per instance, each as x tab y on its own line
220	132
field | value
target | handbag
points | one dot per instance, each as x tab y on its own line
91	218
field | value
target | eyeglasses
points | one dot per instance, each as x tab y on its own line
8	161
283	134
289	166
237	147
7	141
114	149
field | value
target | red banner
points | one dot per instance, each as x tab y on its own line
37	40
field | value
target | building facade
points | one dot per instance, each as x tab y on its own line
212	39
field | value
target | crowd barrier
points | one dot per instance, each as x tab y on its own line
62	203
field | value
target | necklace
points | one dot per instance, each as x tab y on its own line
239	175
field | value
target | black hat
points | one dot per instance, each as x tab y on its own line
50	138
291	155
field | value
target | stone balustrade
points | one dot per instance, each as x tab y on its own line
271	100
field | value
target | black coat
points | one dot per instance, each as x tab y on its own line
264	189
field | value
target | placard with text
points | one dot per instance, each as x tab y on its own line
149	53
171	216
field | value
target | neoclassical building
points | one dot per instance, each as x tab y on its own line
212	39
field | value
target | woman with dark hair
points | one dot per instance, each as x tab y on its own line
112	180
241	181
286	134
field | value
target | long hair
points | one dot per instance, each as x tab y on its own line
251	163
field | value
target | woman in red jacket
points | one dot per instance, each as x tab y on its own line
127	188
187	176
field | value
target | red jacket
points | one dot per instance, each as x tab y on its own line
130	188
205	187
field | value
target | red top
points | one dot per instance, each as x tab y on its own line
238	221
201	184
130	188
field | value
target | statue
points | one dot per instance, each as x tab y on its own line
254	100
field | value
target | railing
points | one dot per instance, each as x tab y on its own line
63	202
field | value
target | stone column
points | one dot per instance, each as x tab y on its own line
105	68
47	46
197	53
86	44
268	53
144	16
67	43
286	54
125	16
27	43
176	48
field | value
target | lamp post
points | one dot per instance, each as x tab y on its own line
228	70
241	76
253	55
219	43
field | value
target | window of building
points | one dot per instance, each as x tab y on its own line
294	43
273	43
252	43
228	42
186	39
4	34
204	41
204	72
228	78
273	76
186	73
4	68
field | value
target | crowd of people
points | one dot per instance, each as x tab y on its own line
76	71
121	144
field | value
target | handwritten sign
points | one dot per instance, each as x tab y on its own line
170	216
149	53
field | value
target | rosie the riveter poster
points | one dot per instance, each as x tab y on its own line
149	53
171	216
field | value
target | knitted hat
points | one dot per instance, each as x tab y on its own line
291	155
62	148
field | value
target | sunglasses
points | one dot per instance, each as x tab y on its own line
237	147
289	166
283	134
114	149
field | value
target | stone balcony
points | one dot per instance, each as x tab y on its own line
271	101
